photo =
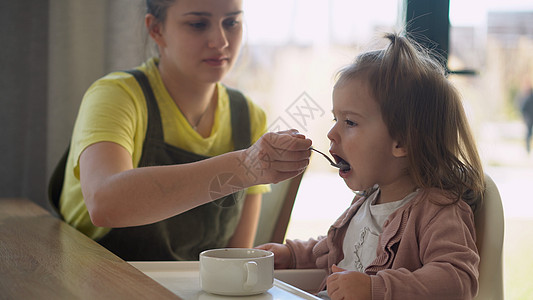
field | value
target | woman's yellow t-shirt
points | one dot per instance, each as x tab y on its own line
114	109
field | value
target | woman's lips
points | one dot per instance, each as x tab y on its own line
216	62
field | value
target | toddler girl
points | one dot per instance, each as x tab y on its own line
409	233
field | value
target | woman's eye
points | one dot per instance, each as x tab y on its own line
198	25
231	23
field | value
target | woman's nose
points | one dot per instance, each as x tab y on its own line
217	38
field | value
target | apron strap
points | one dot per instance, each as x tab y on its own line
55	185
155	128
240	120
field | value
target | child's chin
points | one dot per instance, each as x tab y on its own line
352	185
345	174
356	187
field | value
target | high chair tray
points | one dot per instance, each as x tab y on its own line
182	278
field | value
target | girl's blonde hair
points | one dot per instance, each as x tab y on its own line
424	113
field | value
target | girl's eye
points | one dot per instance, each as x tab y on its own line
347	122
350	123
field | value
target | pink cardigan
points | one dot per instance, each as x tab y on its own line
426	250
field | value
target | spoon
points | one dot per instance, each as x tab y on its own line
341	165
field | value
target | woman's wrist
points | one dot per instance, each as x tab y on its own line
292	257
248	167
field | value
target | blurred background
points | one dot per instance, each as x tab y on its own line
53	50
294	48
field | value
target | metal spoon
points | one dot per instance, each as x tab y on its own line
342	165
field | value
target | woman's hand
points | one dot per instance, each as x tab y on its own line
349	285
276	156
282	254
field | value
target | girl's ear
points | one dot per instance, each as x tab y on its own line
154	28
398	150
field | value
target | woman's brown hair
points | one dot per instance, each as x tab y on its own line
424	112
158	8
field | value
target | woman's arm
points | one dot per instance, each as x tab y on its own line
118	195
244	235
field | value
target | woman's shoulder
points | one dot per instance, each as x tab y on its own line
115	85
229	92
116	78
124	79
114	94
255	110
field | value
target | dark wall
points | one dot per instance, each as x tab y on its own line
51	51
23	98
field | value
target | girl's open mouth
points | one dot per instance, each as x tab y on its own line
343	165
340	163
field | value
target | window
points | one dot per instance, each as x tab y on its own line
495	38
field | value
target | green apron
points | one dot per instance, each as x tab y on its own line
183	236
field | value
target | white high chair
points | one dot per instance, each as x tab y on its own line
276	210
489	231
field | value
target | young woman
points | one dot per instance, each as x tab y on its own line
147	159
400	125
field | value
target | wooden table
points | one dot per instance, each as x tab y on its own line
42	257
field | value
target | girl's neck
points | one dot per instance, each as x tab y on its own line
396	190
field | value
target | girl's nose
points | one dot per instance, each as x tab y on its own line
217	38
332	135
